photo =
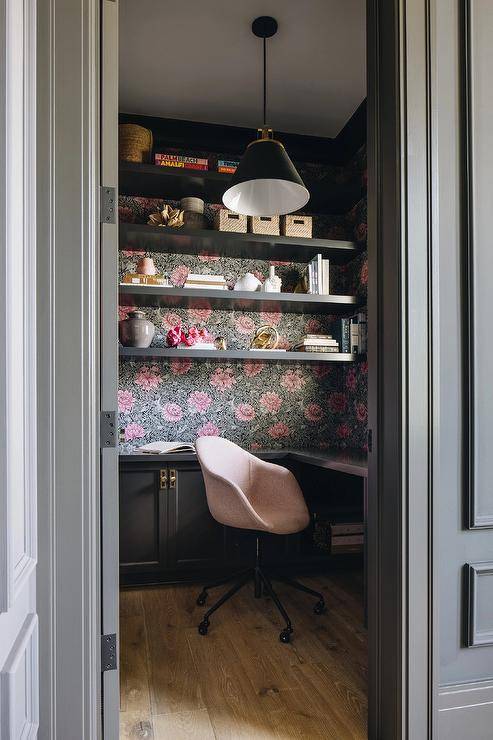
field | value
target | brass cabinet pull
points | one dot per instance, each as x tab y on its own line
172	478
163	478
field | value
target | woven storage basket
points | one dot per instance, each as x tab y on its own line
264	225
225	220
134	143
296	226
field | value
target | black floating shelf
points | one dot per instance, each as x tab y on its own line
228	355
154	181
226	300
230	244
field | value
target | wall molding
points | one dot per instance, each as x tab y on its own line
19	685
473	574
465	710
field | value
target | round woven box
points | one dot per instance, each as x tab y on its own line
134	142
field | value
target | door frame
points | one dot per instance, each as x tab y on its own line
400	399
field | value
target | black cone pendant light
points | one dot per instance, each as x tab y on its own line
266	182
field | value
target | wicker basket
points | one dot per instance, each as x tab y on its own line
134	142
225	220
264	225
296	226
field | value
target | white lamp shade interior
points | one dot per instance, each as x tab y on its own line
266	197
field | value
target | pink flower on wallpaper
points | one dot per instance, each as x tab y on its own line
244	325
321	369
148	378
180	365
244	412
271	402
343	431
363	276
179	275
132	252
259	275
172	412
270	317
222	379
125	401
123	312
351	379
200	311
208	257
313	326
360	232
133	431
279	263
284	343
255	446
361	412
337	403
279	430
251	369
208	430
293	380
199	401
313	412
364	367
170	320
126	214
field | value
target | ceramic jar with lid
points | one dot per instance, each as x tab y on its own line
136	330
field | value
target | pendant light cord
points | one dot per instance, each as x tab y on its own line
265	82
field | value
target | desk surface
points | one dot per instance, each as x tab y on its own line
352	462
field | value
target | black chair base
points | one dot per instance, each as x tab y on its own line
262	582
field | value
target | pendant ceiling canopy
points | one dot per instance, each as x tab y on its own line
266	182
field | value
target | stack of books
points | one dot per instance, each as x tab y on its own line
319	276
216	282
339	538
317	343
179	160
354	333
227	166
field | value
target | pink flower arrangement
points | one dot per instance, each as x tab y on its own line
271	402
251	369
170	320
172	412
222	379
125	401
279	430
361	412
270	317
208	257
244	412
244	325
313	326
208	430
180	335
148	378
199	401
313	412
343	431
133	431
293	380
180	365
179	275
200	311
351	379
337	403
175	336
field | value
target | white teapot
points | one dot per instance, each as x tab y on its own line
248	282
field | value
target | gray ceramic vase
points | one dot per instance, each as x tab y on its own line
136	330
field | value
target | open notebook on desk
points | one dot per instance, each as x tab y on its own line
164	448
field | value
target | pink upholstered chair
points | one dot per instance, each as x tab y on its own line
247	493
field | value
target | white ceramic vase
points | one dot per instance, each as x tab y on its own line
273	282
248	282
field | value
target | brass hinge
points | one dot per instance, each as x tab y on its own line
172	478
163	478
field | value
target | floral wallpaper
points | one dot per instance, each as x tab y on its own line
256	404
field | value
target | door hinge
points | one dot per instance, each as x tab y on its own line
172	478
108	653
107	429
369	440
163	478
107	205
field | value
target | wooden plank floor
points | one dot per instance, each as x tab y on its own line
239	681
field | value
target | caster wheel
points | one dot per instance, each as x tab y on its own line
202	597
285	636
319	607
203	627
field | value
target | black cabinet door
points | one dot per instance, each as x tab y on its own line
195	539
142	518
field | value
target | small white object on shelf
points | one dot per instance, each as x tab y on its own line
273	282
202	345
248	283
165	448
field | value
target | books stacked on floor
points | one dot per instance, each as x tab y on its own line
215	282
227	166
354	333
319	275
181	161
339	538
317	343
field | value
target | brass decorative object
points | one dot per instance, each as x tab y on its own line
220	343
266	337
167	217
